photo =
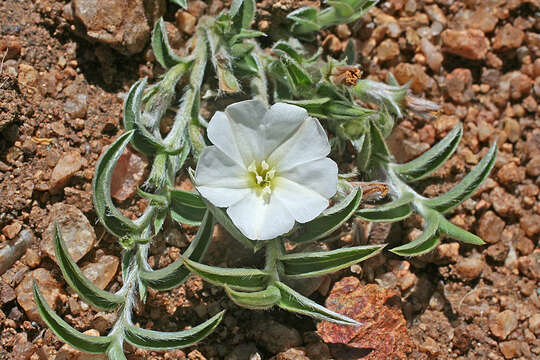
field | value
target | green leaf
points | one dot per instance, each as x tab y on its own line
293	301
311	264
343	9
455	232
176	273
246	34
116	351
363	157
143	141
432	159
377	141
284	48
108	214
87	343
305	21
330	220
238	279
161	215
187	207
467	186
93	295
393	211
350	52
163	52
181	3
259	300
426	242
157	340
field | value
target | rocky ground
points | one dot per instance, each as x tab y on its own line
65	68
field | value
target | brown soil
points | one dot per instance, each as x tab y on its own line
60	94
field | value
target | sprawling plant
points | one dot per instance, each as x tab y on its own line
266	179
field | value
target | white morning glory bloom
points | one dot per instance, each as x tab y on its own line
268	167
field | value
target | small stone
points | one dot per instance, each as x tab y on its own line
534	324
7	294
185	22
76	231
128	174
387	50
28	77
530	265
498	252
197	8
49	287
31	258
510	349
508	37
12	229
483	19
120	24
22	348
12	45
66	167
490	227
343	32
459	85
292	354
503	323
332	43
510	174
318	351
276	337
434	58
101	272
242	352
513	129
470	44
515	84
503	203
533	166
11	252
470	268
530	224
383	329
406	72
76	106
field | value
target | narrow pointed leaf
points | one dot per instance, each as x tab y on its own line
108	214
293	301
116	351
426	242
87	343
142	140
379	145
330	220
163	52
157	340
304	265
259	300
181	3
467	186
176	273
93	295
432	159
393	211
455	232
187	207
350	52
238	279
343	9
363	158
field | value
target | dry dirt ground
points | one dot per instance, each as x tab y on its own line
61	90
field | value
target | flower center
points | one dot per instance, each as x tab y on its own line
262	175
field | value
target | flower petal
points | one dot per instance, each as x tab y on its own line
245	122
260	220
219	178
221	134
308	143
301	202
318	175
279	123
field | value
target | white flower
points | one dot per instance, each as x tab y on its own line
268	167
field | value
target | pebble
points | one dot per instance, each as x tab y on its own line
498	252
515	84
503	203
15	249
530	224
7	294
276	337
49	287
13	46
185	22
122	25
12	229
530	265
483	19
508	37
387	50
510	349
503	323
76	231
470	44
332	43
76	106
65	168
292	354
533	166
128	174
420	81
470	268
31	258
102	271
510	174
513	129
434	58
22	348
534	324
343	32
459	85
242	352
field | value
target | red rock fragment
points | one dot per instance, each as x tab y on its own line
383	329
128	175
